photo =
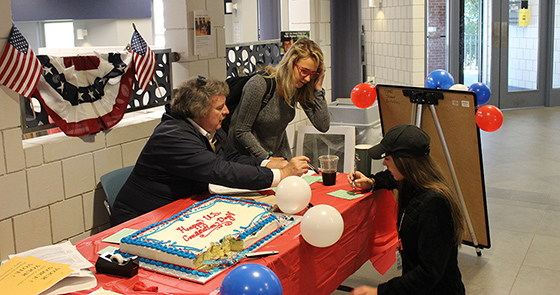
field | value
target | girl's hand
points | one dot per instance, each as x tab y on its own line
358	180
319	81
364	290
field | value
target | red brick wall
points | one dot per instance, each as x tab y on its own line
436	48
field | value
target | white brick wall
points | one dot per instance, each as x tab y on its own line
58	197
395	42
523	52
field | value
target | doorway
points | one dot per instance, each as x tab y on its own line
519	53
512	46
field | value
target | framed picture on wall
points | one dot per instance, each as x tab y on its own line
287	38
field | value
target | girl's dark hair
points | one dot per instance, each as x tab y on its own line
425	173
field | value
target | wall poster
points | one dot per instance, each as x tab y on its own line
203	39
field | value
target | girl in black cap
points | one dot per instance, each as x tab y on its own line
430	221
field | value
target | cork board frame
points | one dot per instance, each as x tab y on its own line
456	115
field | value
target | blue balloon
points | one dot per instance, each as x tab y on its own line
251	279
482	92
439	79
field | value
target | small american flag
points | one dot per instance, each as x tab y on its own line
19	67
144	60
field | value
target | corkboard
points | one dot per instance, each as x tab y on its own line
456	114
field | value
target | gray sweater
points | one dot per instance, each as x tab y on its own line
257	132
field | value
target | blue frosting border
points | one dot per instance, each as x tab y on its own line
158	245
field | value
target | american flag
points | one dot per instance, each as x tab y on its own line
144	60
19	67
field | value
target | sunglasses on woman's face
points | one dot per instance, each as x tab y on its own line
306	72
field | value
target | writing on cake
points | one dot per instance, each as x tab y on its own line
202	227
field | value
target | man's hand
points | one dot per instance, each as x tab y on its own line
277	163
297	166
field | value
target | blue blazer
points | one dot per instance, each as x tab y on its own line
178	162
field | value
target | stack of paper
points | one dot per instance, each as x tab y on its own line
55	269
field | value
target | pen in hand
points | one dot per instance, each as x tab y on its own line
313	168
356	159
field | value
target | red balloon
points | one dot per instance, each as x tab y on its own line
363	95
489	118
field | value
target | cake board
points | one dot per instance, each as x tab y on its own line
286	220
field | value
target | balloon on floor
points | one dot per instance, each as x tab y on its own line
482	92
489	118
439	79
460	87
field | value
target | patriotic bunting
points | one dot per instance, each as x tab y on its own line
144	60
86	94
82	94
19	67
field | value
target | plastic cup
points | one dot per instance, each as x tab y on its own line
329	164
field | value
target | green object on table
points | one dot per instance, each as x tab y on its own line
312	178
116	237
110	249
348	195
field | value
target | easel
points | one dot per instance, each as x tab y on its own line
418	99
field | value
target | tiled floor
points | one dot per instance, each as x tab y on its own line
522	172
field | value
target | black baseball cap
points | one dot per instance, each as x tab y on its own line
407	141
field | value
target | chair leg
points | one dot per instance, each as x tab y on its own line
107	207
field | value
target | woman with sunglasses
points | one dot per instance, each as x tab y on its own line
299	81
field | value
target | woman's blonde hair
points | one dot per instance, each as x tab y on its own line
284	72
425	173
193	98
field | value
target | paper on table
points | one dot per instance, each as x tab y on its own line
60	253
348	195
312	178
85	280
116	237
109	249
217	189
102	291
30	275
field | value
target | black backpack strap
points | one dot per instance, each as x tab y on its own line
270	88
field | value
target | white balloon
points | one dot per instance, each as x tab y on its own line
293	194
459	87
322	226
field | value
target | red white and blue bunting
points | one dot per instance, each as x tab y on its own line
86	94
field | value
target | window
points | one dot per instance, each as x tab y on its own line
59	34
159	29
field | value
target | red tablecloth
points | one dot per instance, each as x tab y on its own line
369	233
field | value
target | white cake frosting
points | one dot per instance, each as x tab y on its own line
207	231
